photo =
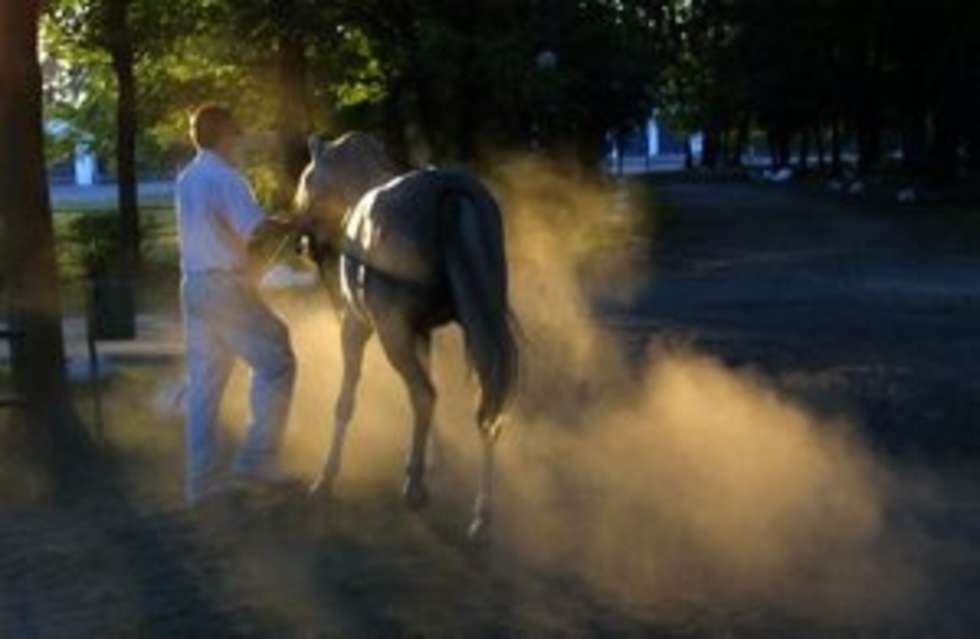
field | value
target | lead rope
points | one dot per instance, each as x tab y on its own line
287	237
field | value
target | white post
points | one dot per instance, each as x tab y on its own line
653	137
84	166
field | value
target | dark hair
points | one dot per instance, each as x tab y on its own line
210	124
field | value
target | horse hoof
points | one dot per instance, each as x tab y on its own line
322	488
479	532
416	494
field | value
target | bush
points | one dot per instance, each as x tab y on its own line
92	244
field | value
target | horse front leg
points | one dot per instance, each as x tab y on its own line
354	336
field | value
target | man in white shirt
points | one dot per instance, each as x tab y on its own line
224	316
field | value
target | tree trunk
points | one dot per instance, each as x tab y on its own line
121	50
620	153
971	134
835	145
395	125
914	136
869	142
30	269
818	133
469	84
784	138
709	152
949	118
973	142
804	163
772	146
741	140
293	118
869	112
428	146
945	147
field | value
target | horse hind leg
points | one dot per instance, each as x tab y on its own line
480	527
404	349
354	336
436	454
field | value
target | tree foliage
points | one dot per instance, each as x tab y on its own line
440	79
883	75
450	80
118	35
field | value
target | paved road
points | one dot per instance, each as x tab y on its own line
104	195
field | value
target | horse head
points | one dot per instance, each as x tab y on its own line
339	173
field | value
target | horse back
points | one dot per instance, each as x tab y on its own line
399	227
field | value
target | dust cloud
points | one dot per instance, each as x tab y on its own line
665	482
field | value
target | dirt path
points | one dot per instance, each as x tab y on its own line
843	309
885	305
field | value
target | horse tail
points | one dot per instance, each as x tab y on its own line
477	270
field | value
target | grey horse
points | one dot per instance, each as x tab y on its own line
402	255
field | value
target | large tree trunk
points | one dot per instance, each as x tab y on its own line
26	230
121	49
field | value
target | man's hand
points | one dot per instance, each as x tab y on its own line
272	236
280	225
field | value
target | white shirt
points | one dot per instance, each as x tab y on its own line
216	214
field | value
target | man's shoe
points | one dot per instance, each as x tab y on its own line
214	491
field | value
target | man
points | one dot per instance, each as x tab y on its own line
224	316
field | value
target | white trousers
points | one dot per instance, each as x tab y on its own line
225	318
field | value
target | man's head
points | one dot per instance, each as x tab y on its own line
214	128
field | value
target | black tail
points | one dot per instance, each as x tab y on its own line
477	269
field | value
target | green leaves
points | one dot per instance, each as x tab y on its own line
460	77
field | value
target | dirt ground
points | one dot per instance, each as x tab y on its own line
884	303
815	308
